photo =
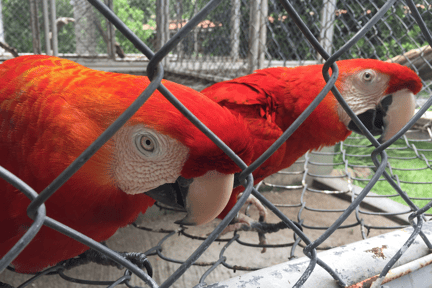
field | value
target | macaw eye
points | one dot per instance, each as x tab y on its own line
146	144
367	76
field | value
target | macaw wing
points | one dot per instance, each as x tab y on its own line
259	112
247	90
255	92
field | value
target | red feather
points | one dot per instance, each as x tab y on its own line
271	99
51	110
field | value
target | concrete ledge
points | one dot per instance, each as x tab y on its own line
354	263
373	201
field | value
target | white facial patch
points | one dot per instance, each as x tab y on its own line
145	159
362	90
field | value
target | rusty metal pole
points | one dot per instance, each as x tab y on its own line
195	34
327	26
166	28
34	23
54	28
110	34
46	27
2	36
85	29
235	30
254	25
160	22
162	25
262	45
179	24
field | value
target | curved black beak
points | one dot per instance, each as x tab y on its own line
172	194
373	119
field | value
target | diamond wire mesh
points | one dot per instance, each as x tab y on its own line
354	167
310	250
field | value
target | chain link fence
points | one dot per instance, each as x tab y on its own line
235	39
219	40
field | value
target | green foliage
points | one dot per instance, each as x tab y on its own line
134	16
216	41
135	13
284	39
213	41
395	34
17	29
400	158
16	23
65	34
18	34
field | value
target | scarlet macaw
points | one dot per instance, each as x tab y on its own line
52	109
379	93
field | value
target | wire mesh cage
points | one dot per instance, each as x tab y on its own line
328	198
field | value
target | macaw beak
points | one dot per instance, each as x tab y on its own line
203	197
390	115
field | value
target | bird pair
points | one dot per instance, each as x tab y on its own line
52	109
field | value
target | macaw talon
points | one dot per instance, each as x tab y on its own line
262	241
244	223
252	200
241	222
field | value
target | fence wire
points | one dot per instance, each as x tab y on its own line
259	34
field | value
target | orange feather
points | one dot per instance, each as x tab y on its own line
271	99
51	110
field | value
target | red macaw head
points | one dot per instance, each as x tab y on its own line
200	175
58	108
381	94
